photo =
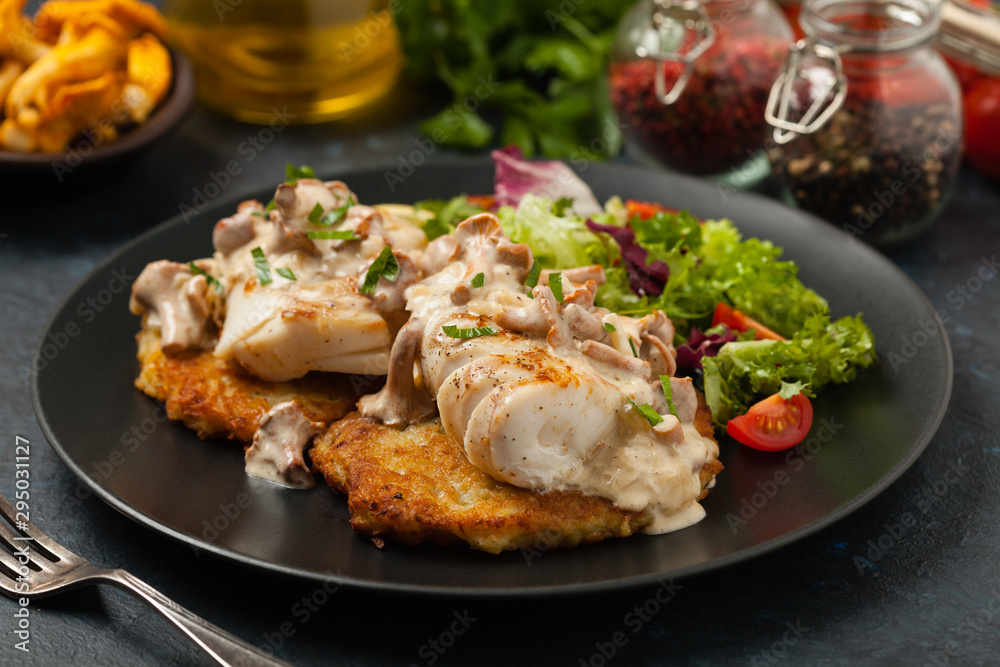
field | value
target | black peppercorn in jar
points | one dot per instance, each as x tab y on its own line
868	119
689	80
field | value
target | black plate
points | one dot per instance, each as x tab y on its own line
864	436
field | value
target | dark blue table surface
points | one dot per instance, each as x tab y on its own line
927	592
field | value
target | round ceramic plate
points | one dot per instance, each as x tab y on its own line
864	435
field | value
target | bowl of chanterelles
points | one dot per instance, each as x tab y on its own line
85	83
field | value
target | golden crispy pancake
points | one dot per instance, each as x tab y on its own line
218	399
417	485
414	486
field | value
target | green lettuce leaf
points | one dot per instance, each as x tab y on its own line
822	352
557	242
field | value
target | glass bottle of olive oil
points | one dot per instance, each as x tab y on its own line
315	60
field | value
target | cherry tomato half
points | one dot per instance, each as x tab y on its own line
982	127
773	424
737	320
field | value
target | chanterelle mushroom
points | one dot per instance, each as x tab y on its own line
277	452
177	301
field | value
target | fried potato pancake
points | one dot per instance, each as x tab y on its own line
414	485
417	485
218	399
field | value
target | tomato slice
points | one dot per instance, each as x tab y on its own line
773	424
737	320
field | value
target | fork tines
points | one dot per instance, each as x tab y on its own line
24	547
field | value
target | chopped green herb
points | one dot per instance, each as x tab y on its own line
337	214
198	271
532	278
293	173
452	331
479	280
560	206
631	344
647	411
384	266
263	268
267	209
285	273
316	214
334	234
609	327
555	283
668	393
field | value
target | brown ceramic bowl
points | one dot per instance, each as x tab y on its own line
83	159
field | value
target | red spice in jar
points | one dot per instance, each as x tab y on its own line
717	123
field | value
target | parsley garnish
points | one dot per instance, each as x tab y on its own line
560	206
668	393
335	234
293	173
263	268
384	266
631	344
646	410
337	214
555	283
452	331
198	271
478	280
609	327
532	278
286	273
316	214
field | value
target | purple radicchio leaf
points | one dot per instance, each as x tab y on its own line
642	278
516	177
698	345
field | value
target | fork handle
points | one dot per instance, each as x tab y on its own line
224	647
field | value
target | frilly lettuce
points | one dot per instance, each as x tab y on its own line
820	353
557	242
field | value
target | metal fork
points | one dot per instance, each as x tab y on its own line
32	564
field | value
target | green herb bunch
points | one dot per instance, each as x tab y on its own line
524	72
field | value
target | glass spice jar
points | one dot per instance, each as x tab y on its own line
867	118
689	81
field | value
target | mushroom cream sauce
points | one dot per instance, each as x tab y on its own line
539	386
